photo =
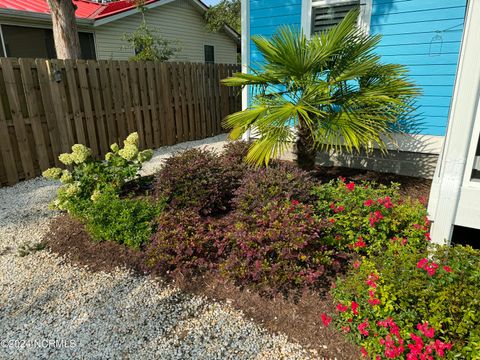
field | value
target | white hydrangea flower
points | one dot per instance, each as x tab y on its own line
129	152
72	190
66	159
66	177
80	153
109	156
52	173
131	139
114	147
95	195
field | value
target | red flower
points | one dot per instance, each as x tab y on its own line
354	308
431	269
326	320
368	203
428	332
342	308
295	202
362	328
350	186
374	301
364	352
448	269
422	263
357	264
427	237
360	243
341	178
387	203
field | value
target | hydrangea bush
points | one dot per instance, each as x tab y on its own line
366	217
88	177
412	304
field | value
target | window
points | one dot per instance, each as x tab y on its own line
22	41
326	14
209	54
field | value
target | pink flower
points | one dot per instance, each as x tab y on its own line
427	237
428	332
448	269
362	328
341	178
354	308
295	202
387	203
350	186
374	301
326	320
342	308
364	352
339	209
440	347
422	263
357	264
431	269
368	203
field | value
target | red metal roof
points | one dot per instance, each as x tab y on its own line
85	9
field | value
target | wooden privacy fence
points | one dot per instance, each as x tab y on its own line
48	105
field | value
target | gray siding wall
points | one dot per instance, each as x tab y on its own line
180	21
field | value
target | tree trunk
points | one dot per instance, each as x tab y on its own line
65	32
306	149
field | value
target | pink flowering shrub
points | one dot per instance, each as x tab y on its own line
367	217
412	304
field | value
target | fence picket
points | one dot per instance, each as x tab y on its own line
48	105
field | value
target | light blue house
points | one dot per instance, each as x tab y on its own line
439	41
424	35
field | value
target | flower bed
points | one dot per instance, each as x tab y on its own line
278	230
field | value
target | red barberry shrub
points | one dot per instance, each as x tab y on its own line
275	246
184	241
278	182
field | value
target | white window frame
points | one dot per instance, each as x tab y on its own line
307	6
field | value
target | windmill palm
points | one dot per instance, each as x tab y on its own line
331	91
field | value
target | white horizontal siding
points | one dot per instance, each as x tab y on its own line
179	21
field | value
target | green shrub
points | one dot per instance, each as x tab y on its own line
278	182
89	177
274	247
413	304
126	221
367	217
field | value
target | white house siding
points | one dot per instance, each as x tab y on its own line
180	21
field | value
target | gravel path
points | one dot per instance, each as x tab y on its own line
50	309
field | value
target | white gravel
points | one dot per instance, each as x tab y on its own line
50	309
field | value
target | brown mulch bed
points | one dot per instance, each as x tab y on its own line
297	315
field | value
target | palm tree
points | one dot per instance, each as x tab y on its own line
331	91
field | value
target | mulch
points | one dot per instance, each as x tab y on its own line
296	314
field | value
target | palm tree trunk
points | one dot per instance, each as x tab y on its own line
306	149
65	32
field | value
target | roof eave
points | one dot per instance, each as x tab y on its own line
38	16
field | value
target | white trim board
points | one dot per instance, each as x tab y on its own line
363	20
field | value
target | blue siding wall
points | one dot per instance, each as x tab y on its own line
424	35
267	15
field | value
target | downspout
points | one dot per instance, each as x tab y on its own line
245	42
460	128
